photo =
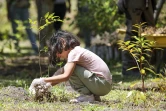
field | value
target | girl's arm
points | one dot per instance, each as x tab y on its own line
68	70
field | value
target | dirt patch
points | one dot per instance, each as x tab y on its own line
14	93
20	94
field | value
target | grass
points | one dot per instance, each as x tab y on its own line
117	99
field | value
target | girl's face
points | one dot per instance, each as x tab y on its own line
63	55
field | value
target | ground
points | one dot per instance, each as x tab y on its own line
18	73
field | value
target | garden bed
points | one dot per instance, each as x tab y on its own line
159	38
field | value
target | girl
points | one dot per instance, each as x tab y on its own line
87	73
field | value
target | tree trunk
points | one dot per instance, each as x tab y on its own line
158	9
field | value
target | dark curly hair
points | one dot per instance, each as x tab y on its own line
56	43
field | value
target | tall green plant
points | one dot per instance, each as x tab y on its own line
48	20
141	50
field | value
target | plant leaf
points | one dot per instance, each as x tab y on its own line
46	15
132	85
132	68
142	71
127	42
149	70
129	94
142	96
142	58
130	46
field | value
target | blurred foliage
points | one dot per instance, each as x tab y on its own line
98	16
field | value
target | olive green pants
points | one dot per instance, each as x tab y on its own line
86	82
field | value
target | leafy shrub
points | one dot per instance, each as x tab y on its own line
140	50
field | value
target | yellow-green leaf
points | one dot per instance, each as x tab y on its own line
30	21
142	58
129	94
142	71
51	15
130	46
46	15
132	85
136	38
142	96
47	21
127	42
139	50
132	68
149	70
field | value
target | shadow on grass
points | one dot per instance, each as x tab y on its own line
118	78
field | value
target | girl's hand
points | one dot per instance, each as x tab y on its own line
38	82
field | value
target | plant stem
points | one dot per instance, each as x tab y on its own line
143	88
39	51
39	57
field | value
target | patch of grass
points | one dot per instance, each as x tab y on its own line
14	81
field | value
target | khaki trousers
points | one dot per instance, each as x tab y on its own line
86	82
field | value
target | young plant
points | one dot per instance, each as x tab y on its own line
48	20
141	50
